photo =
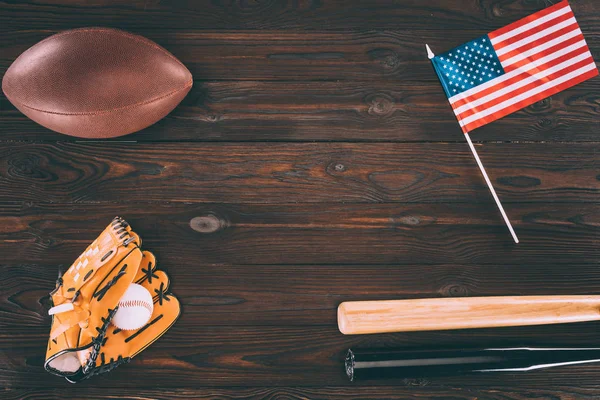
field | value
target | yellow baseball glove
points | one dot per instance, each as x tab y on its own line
87	296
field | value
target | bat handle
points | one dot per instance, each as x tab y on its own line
363	317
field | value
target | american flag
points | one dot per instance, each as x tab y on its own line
515	66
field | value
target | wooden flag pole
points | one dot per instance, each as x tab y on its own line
430	55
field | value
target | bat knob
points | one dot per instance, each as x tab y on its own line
349	364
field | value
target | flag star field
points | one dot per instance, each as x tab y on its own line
467	66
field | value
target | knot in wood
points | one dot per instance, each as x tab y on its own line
213	118
497	10
27	165
336	167
387	58
207	224
391	61
519	181
542	105
380	104
454	290
409	220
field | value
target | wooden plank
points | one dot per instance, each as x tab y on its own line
290	173
272	295
339	111
411	390
327	234
263	240
395	57
309	14
189	355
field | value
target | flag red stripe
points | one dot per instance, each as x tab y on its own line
547	52
528	19
525	88
519	77
520	47
527	102
534	30
539	42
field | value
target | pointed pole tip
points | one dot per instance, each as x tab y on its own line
430	54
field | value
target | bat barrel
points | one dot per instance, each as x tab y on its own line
380	316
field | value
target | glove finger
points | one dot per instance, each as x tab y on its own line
147	268
121	345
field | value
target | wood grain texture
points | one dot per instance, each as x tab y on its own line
396	56
191	355
312	234
413	389
315	161
174	15
340	111
381	316
238	295
276	173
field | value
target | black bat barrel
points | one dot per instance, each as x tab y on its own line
380	364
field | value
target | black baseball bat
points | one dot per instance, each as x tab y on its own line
378	364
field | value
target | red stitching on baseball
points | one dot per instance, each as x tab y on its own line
133	303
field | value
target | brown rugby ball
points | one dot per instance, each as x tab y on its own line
96	82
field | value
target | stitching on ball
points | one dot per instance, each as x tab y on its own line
100	112
136	303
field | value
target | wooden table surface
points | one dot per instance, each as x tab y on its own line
316	160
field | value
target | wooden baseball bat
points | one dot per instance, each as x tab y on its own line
363	317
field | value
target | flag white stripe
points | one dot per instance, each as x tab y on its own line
535	36
542	47
520	70
527	94
521	83
531	24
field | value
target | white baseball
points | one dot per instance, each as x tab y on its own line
135	308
